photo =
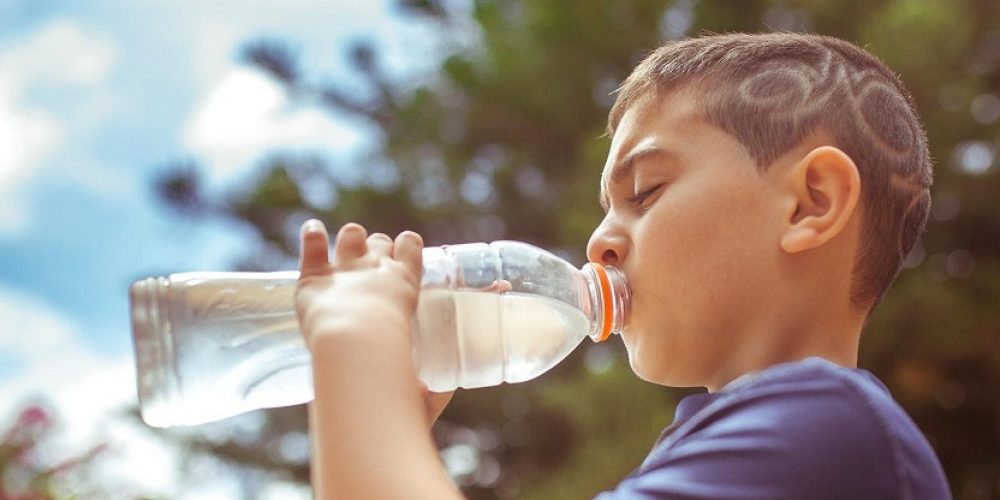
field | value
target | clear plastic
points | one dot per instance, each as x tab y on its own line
212	345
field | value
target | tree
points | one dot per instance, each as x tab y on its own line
505	141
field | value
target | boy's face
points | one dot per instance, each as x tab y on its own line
695	229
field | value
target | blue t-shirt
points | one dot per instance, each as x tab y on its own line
808	429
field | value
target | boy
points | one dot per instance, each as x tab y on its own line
760	193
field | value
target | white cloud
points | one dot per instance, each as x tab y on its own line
51	360
27	136
51	364
246	115
59	54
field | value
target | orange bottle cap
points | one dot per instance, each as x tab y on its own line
602	276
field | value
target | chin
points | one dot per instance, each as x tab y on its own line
643	370
646	359
638	371
660	370
636	357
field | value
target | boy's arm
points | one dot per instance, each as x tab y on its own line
368	422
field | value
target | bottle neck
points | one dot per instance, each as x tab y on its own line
610	295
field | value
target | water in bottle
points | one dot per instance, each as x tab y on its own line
530	333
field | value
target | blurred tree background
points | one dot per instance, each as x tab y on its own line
503	140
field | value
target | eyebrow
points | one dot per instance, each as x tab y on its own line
623	168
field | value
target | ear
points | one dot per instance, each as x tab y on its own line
825	187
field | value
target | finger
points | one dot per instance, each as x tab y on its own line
379	245
350	243
314	248
408	250
435	403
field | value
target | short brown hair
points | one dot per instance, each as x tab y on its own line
772	91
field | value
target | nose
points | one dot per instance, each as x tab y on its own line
607	246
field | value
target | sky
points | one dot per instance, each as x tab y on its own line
95	98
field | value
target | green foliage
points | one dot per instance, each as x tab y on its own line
504	141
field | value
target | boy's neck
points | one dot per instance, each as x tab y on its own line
833	337
808	313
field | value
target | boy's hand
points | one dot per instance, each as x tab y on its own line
435	403
369	414
370	279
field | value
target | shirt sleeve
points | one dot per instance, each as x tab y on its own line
815	440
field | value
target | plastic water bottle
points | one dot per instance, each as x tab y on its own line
211	345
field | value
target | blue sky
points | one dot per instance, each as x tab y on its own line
95	97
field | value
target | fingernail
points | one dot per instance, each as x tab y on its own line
311	226
414	237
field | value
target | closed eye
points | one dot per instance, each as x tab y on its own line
641	197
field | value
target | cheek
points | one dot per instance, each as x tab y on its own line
701	250
718	234
677	244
